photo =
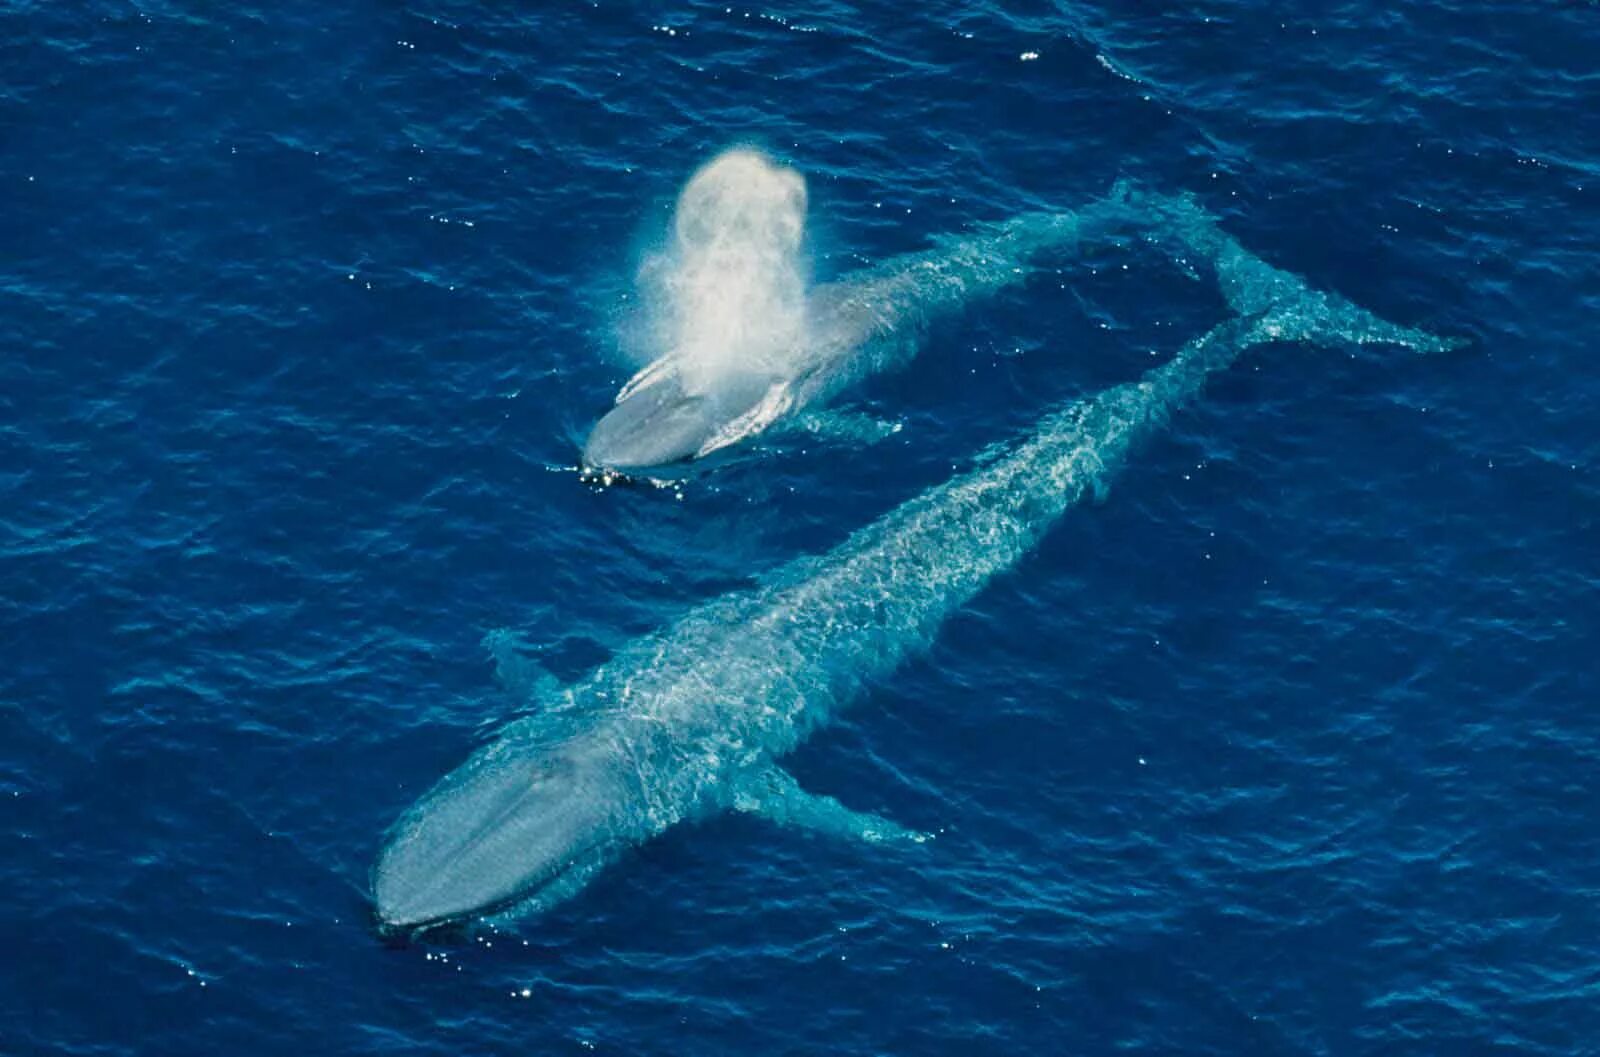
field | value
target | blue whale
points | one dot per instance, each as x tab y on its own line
866	323
697	718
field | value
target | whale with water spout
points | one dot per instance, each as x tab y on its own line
778	347
865	324
698	717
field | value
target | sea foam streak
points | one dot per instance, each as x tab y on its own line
696	717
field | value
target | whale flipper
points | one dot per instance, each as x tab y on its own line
776	796
855	428
519	673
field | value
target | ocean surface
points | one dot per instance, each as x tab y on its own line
1287	745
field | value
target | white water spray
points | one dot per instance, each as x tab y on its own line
730	288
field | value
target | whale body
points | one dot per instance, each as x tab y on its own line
869	322
697	717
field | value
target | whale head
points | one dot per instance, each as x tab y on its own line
499	829
652	426
661	418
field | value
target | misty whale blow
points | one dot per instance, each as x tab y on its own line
696	718
749	343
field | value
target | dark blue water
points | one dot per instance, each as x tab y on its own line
1288	746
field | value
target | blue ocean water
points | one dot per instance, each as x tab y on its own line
1287	746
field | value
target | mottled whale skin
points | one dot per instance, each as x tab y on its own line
696	718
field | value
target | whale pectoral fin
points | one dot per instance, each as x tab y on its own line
850	427
773	405
776	796
519	673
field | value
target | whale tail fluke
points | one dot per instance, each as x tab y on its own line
1318	318
1285	306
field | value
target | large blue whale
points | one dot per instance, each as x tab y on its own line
697	718
868	322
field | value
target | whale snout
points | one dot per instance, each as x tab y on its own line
658	420
491	834
654	426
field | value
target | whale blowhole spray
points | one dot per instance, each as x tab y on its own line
727	293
